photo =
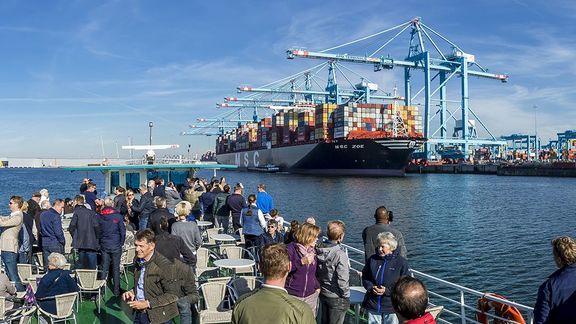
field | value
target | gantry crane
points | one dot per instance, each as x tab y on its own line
441	68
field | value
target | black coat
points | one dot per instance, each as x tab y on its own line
382	271
85	229
172	247
120	204
557	297
154	220
146	205
34	210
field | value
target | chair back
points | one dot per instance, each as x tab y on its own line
243	285
240	233
214	295
202	257
65	304
39	260
67	242
238	252
128	256
210	232
26	316
24	271
225	280
2	307
87	278
230	251
34	285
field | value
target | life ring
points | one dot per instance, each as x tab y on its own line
501	310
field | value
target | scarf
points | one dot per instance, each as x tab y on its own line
308	254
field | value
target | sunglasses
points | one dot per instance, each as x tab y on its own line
271	226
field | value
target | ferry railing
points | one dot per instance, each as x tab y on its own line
464	312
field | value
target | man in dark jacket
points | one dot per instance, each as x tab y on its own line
111	242
145	207
156	291
90	195
85	230
370	234
172	246
120	203
557	295
159	212
236	202
207	203
34	211
221	210
51	229
188	293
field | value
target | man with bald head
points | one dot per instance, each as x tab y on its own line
383	219
410	299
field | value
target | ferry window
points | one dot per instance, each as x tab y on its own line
178	177
159	174
114	180
132	181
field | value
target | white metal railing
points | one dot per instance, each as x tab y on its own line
463	313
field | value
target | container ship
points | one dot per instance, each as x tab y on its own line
327	139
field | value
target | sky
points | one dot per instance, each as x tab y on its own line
81	78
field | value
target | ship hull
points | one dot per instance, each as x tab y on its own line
358	157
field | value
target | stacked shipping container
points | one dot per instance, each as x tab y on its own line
325	123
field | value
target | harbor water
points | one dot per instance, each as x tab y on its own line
486	232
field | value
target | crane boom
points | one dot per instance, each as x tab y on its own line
389	63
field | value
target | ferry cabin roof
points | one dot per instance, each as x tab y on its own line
131	176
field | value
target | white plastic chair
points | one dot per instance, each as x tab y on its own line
243	285
127	260
237	252
26	316
211	231
2	307
214	294
203	256
88	283
64	308
24	272
67	243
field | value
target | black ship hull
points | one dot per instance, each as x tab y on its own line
357	157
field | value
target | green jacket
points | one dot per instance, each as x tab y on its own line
271	305
160	288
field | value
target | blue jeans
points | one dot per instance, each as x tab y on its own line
374	318
10	260
46	250
143	222
24	257
86	259
185	311
142	318
115	256
334	309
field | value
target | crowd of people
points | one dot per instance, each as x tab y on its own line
305	278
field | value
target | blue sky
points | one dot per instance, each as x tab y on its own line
74	72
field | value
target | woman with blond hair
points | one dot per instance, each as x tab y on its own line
301	282
187	230
555	302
